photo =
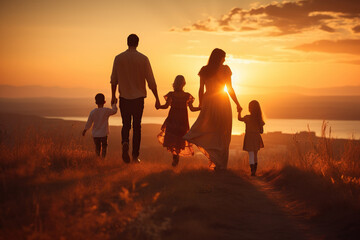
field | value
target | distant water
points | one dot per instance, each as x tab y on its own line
339	129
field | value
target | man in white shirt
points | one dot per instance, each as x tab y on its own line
131	71
99	117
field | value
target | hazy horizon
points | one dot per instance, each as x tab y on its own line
33	91
274	106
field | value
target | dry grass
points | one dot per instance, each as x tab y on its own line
321	178
53	187
338	164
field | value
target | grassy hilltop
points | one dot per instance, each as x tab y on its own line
52	187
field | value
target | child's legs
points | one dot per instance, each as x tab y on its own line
255	157
97	142
251	158
104	145
176	158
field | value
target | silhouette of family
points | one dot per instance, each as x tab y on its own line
211	132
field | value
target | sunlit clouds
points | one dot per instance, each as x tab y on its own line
286	18
311	26
338	46
309	43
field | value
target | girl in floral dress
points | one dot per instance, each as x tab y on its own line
176	124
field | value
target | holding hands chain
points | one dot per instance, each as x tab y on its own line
239	108
114	100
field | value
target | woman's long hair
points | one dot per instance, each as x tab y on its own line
255	111
215	61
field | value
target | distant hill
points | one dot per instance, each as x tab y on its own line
273	106
339	103
7	91
312	107
325	91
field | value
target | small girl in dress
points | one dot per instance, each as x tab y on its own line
254	127
176	124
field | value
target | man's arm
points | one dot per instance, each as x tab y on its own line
114	82
113	94
157	101
151	82
113	109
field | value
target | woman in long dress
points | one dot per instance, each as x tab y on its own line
211	132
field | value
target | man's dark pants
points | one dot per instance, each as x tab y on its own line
132	108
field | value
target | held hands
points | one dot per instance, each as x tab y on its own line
199	107
239	116
83	132
113	100
239	108
157	104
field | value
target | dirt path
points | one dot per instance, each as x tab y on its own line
292	212
203	205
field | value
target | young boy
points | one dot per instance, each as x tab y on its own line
99	117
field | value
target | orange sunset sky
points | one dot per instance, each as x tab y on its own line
269	44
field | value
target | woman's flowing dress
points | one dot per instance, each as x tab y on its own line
211	132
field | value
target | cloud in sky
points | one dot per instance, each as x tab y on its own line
356	29
349	46
356	62
286	18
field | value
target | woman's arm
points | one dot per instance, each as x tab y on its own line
233	96
230	88
201	91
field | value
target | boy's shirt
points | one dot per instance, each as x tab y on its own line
100	116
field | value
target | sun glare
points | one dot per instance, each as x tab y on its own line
233	63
